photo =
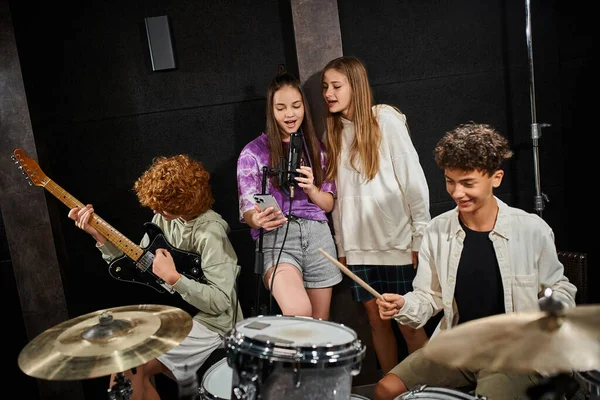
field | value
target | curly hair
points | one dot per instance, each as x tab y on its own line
471	147
179	185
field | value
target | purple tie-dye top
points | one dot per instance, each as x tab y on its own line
253	157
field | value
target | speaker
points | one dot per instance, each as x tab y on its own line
159	42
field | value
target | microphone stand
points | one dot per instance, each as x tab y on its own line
259	257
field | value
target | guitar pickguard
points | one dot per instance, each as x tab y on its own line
187	263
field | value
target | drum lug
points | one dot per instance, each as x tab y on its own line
298	357
246	389
297	379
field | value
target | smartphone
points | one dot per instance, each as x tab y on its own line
264	201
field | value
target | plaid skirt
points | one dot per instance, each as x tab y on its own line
383	278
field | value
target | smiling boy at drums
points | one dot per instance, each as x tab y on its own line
480	259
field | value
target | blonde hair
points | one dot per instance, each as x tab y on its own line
179	185
364	150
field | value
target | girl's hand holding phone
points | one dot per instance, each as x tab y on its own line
306	180
268	214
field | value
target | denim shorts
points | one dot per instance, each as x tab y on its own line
301	249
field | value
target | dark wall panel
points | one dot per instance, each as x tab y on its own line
576	87
421	40
95	59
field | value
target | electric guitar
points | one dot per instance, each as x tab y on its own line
136	264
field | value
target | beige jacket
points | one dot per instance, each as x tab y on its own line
207	236
526	253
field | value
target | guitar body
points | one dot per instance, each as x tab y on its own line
187	263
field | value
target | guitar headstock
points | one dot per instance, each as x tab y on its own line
29	168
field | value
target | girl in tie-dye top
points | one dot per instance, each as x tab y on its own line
299	277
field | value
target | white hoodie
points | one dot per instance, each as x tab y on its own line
380	222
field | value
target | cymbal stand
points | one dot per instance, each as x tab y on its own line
553	387
122	389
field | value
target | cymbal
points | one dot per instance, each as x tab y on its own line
104	342
523	342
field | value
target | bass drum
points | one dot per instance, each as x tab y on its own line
436	393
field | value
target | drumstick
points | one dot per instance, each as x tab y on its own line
355	278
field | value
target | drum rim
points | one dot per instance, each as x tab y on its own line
318	355
313	355
416	391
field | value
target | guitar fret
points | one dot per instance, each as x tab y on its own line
62	195
117	238
111	234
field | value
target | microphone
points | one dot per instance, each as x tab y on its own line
296	142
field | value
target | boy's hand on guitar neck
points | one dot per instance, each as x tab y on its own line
163	266
82	218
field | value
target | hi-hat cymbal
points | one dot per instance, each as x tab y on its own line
522	342
104	342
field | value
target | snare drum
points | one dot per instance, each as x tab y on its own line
293	358
436	393
216	382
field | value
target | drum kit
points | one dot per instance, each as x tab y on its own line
292	358
267	357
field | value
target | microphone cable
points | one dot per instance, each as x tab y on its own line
237	298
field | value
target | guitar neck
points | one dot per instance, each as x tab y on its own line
128	247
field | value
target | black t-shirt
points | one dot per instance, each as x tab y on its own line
479	289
